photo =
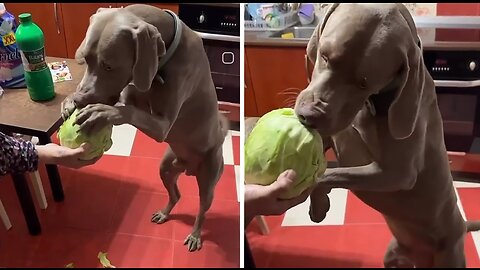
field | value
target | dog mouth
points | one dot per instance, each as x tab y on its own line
314	115
83	101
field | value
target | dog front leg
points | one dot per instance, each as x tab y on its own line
368	178
154	126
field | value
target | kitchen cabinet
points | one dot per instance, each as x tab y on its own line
65	24
49	17
224	59
249	93
277	75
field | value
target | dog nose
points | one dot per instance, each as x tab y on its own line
307	117
304	120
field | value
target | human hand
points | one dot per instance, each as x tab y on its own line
263	200
60	155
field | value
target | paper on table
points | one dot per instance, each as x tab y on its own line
60	71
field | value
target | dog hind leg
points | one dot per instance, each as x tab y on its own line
453	256
395	256
169	175
207	178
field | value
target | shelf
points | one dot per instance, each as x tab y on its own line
447	22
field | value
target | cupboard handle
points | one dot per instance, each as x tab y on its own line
307	69
56	17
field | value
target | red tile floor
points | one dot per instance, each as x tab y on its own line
354	236
108	207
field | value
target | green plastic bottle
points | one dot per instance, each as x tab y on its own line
31	43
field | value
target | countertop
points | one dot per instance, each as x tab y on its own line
19	114
261	38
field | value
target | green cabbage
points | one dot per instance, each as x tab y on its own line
70	136
280	142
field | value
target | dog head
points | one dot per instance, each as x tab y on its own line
118	48
359	50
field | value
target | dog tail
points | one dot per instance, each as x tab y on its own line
473	226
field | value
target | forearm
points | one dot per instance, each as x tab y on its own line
367	178
44	156
17	156
153	126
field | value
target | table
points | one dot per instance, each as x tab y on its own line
19	114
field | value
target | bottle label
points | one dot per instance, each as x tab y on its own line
34	60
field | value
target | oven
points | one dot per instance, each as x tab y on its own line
219	26
456	74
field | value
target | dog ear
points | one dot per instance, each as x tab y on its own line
102	9
312	46
404	110
80	53
84	47
149	46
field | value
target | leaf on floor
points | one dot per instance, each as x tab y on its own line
102	256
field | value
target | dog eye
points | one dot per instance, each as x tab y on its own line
106	67
325	58
363	83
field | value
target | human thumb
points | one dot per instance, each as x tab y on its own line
283	183
83	148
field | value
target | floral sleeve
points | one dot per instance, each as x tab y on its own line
17	155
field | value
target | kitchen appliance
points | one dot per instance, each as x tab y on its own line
456	74
219	27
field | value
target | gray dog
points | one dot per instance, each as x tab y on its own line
155	65
371	92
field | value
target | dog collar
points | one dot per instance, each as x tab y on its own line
176	39
173	46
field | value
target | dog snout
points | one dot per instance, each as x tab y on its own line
310	116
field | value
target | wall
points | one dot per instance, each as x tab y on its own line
453	9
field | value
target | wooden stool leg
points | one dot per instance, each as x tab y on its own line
37	181
263	225
4	217
26	202
38	189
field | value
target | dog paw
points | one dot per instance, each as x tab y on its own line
319	209
159	217
193	243
67	108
